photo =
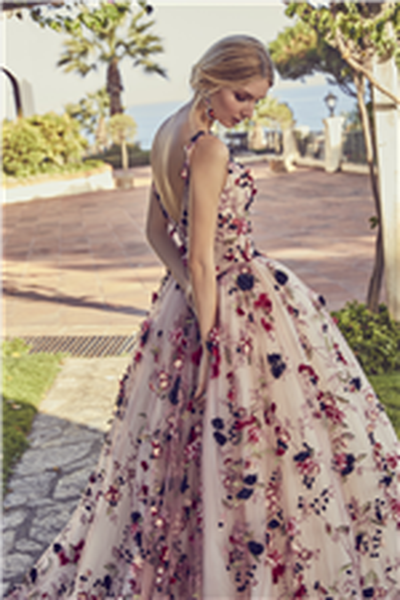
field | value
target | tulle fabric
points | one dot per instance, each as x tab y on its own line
282	482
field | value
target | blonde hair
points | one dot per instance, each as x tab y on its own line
236	59
233	60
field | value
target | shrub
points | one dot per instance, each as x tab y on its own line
387	387
373	337
41	144
112	156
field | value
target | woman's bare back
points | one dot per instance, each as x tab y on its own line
168	156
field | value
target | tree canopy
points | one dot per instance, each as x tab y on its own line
106	34
359	31
37	6
90	109
270	111
299	51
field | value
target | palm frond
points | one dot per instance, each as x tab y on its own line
150	66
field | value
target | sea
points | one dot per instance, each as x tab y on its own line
306	101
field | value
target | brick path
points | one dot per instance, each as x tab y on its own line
81	264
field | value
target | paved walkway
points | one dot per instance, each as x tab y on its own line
81	265
65	441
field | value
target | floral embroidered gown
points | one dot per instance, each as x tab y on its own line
282	483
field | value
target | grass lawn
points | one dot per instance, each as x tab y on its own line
388	389
26	378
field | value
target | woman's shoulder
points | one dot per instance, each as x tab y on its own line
208	148
159	136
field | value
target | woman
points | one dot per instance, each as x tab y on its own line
249	457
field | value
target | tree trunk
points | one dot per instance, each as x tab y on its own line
114	87
101	135
375	282
124	153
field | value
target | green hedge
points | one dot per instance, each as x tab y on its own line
49	143
373	337
387	387
112	156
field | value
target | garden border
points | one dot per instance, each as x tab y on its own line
49	186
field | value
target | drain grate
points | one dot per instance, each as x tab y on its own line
82	345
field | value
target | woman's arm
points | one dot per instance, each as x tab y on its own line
208	172
160	240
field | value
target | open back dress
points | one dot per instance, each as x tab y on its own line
281	483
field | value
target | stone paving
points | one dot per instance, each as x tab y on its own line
81	265
65	442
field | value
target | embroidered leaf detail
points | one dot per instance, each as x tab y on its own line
255	548
244	493
281	277
220	438
250	479
173	394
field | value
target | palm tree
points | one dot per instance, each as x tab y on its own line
91	113
108	34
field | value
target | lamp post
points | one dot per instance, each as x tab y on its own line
330	101
333	136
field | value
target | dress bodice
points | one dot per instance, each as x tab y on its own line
233	242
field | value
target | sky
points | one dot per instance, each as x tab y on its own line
187	30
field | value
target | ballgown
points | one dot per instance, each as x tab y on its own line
281	482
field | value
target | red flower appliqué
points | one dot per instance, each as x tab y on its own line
263	302
310	371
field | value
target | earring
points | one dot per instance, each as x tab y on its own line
211	113
210	110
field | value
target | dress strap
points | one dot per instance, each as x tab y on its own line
158	198
196	136
188	150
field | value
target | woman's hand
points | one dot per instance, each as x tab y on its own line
204	369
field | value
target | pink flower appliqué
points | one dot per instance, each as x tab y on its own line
241	225
177	337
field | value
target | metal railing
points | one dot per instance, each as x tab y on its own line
313	145
354	147
310	146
